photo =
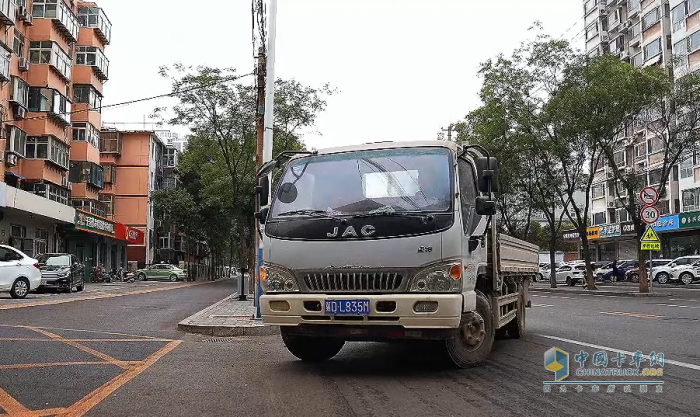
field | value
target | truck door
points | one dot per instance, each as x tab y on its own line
472	224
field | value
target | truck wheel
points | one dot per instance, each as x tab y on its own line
516	327
472	343
312	349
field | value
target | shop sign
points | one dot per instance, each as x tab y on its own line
129	234
627	228
689	220
610	230
593	232
570	235
91	223
666	223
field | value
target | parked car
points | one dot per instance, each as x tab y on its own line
19	273
161	271
662	274
623	265
685	273
61	271
633	274
571	274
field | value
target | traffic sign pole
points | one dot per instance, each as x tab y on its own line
649	214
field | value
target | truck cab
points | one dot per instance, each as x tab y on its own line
388	241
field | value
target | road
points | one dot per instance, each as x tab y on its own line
147	368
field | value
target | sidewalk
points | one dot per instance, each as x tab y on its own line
602	290
229	317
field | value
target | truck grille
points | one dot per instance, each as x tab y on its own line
353	281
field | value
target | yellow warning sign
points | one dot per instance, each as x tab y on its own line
650	236
654	246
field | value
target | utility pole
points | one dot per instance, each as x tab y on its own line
260	129
268	125
449	131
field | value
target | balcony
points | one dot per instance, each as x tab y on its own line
91	206
64	19
49	53
95	17
8	12
111	142
86	172
93	57
5	67
52	102
19	94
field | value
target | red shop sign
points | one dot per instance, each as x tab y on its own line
129	234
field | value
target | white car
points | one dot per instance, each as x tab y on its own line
19	273
662	274
685	273
571	273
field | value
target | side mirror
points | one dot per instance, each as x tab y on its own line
262	191
485	206
262	214
473	244
266	168
487	173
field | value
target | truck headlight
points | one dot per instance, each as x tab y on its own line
276	279
443	277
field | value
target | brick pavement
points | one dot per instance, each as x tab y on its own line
228	317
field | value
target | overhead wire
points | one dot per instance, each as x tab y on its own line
139	100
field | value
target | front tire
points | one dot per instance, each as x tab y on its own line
634	278
312	349
173	278
687	278
570	282
473	341
20	288
142	277
662	278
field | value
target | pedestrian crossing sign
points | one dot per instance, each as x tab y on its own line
650	236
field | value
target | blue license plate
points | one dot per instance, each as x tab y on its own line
347	307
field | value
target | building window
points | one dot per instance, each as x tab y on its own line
49	53
589	6
91	206
86	172
48	147
652	49
598	191
17	140
591	31
687	168
655	177
41	237
110	174
693	6
613	19
93	57
18	231
691	200
623	215
678	15
680	53
655	145
50	101
20	91
617	45
164	242
638	60
108	203
599	218
18	44
110	141
86	132
651	18
59	11
85	93
52	192
636	30
619	158
94	17
640	151
633	6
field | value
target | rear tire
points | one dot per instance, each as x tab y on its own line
473	340
516	327
569	282
312	349
20	288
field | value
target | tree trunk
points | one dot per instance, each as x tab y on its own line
552	255
590	280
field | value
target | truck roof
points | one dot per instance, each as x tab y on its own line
386	145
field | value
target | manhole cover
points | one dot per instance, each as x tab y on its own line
219	340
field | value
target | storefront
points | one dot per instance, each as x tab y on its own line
684	238
99	241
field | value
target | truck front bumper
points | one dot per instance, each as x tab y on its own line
304	309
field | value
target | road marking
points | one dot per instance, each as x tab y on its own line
674	305
52	364
542	305
85	349
93	331
11	406
91	400
30	339
590	345
99	297
639	315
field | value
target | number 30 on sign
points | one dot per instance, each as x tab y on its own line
650	214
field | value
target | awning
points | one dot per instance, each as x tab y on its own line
12	174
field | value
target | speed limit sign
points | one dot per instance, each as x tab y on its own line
650	214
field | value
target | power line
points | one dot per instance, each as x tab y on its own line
140	100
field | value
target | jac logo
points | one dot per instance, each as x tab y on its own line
366	230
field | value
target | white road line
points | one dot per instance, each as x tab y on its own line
543	305
673	305
566	298
590	345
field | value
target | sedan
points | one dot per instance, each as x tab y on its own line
19	273
61	271
161	271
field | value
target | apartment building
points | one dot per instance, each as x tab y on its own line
173	139
133	162
643	33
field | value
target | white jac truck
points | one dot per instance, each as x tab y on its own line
386	241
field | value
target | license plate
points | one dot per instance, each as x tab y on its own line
347	307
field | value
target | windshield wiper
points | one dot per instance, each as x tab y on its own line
307	212
389	211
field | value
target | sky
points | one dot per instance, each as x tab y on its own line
404	69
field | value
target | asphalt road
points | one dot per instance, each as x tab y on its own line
147	368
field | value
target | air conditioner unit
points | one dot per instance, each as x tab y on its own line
23	64
11	159
20	112
605	38
627	24
611	204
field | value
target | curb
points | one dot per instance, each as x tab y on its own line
599	292
218	330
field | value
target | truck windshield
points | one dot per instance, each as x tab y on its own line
377	181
